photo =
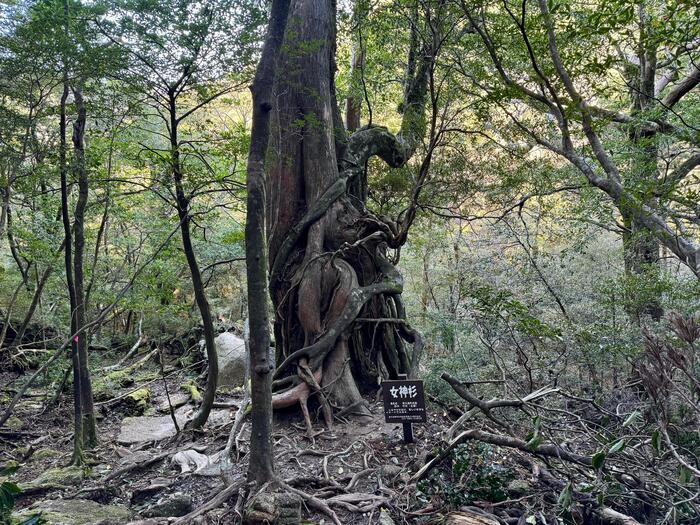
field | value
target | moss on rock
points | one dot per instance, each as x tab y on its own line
137	401
76	512
14	423
191	388
56	478
46	453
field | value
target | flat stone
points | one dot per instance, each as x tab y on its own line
141	494
141	429
77	512
55	478
175	505
177	400
219	417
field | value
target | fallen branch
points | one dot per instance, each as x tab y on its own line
243	410
613	517
552	451
138	465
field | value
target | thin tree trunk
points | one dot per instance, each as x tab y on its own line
86	399
68	263
260	467
183	213
353	104
22	265
33	305
8	317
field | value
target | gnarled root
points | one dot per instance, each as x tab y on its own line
300	394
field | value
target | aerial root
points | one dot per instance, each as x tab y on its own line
308	377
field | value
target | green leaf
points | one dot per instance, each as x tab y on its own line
566	497
656	442
34	520
534	439
617	446
8	470
685	476
7	500
598	460
632	418
534	442
12	488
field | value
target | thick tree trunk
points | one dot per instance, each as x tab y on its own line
260	466
86	401
328	253
183	213
640	245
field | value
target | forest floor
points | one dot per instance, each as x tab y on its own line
143	471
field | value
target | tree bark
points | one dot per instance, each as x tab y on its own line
68	263
260	466
86	401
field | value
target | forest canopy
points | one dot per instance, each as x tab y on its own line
225	223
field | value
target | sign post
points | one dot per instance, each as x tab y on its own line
404	402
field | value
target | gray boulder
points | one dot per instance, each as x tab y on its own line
232	359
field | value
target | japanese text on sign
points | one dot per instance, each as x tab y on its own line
404	401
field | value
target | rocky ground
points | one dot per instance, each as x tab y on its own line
145	471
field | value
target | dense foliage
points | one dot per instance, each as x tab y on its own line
548	221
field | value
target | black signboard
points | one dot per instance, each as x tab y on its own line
404	401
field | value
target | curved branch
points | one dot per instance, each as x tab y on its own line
682	88
373	141
551	451
393	284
